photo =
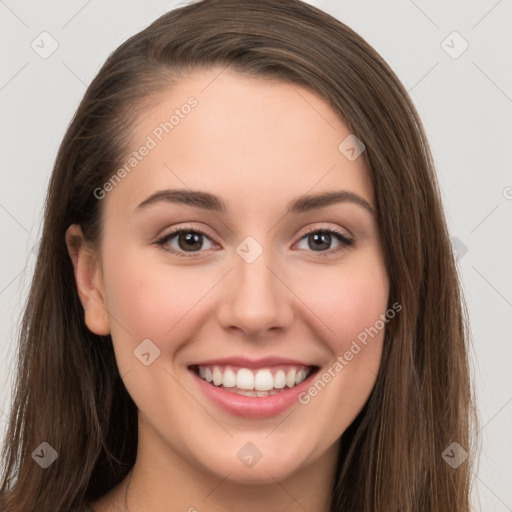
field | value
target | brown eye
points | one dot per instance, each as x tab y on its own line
185	240
321	240
189	241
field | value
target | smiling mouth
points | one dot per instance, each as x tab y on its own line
260	382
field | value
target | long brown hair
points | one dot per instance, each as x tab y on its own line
68	391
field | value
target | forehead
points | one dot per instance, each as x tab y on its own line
244	138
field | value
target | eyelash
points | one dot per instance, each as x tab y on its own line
344	240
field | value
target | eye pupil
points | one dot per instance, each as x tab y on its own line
318	237
192	241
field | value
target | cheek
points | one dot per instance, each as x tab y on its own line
151	300
350	309
350	302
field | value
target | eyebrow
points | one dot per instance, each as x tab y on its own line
207	201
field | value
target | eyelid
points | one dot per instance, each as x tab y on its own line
184	227
314	229
346	241
163	239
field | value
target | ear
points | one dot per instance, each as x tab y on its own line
89	281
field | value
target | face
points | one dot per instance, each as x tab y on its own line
252	290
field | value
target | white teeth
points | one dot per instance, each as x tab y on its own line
217	377
246	392
229	379
253	383
301	375
290	378
280	379
263	381
244	379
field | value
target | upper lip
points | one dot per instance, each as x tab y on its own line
252	363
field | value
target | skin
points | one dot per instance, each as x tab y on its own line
258	144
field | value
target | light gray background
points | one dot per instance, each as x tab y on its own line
465	104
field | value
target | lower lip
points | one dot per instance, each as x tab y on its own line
250	406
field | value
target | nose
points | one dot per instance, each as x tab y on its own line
255	298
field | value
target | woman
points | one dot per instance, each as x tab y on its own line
245	295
